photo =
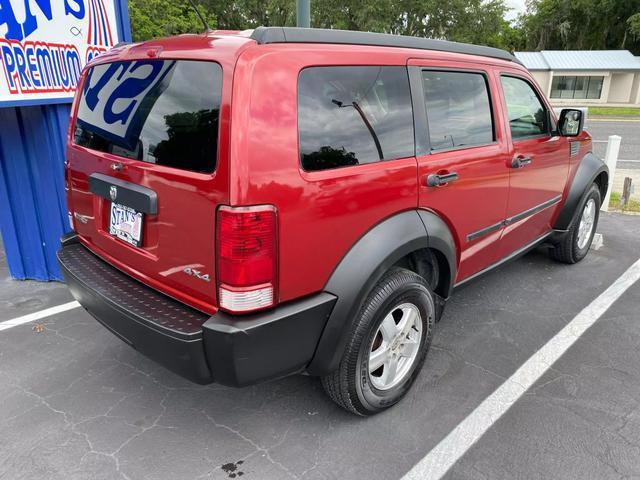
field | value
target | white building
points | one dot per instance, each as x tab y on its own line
586	77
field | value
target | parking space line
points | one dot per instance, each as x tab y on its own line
31	317
444	455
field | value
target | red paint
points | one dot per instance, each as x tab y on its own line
320	215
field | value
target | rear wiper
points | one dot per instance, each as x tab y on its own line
365	121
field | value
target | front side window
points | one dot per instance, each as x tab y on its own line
458	109
158	111
353	115
526	113
576	87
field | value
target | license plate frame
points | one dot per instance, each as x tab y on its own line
126	224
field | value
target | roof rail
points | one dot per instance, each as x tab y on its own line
265	35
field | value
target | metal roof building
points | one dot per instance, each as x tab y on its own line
586	77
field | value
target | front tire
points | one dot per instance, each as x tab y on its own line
575	244
388	345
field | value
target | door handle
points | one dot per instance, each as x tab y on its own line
440	179
520	161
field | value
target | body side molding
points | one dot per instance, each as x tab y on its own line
512	256
359	270
589	169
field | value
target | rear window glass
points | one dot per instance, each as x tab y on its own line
353	115
159	111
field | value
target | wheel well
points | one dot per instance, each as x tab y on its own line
602	180
431	265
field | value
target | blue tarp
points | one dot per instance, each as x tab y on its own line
33	211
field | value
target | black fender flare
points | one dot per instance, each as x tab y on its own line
361	268
590	168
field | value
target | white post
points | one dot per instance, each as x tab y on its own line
611	159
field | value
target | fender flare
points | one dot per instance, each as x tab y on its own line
590	168
354	277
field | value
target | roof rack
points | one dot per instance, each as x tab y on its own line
265	35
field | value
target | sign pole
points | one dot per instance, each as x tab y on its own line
303	13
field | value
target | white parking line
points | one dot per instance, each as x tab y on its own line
31	317
444	455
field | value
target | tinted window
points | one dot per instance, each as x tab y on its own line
458	109
527	115
353	115
576	87
163	112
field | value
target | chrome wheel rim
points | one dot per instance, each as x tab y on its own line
395	346
587	222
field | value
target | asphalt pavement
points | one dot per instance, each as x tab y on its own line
628	129
77	403
629	156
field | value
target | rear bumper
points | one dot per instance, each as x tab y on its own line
230	350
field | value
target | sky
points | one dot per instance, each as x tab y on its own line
518	6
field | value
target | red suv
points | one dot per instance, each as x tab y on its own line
250	205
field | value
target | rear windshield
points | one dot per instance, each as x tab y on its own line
159	111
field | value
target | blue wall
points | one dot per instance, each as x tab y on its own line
33	211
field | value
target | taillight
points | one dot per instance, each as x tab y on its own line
67	176
247	257
67	189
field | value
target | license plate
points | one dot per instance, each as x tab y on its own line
126	224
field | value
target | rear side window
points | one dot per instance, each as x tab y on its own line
353	115
527	115
458	109
159	111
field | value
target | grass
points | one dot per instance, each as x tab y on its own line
632	206
614	111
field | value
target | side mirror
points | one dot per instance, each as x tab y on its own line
570	123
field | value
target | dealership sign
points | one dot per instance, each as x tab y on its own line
45	43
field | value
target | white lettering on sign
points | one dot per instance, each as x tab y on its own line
113	94
45	43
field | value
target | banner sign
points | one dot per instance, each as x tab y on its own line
45	43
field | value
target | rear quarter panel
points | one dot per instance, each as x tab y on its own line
321	214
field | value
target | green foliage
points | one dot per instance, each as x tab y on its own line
161	18
548	24
474	21
633	25
582	25
616	204
243	14
614	111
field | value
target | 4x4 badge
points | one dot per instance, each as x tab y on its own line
113	193
197	273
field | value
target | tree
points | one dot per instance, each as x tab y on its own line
475	21
161	18
581	25
633	26
244	14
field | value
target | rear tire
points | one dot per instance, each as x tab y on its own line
388	345
574	245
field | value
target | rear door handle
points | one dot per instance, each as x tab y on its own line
520	161
440	179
